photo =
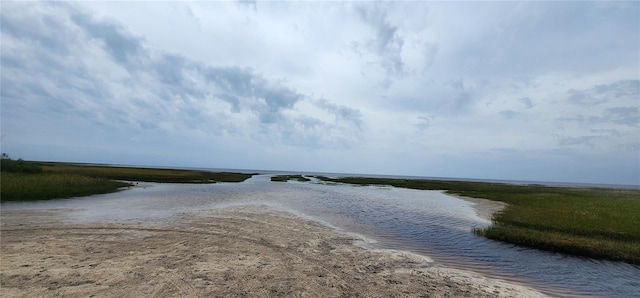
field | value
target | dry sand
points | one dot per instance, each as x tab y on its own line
239	252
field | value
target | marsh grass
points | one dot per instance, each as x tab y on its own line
63	180
592	222
17	166
145	174
285	178
41	186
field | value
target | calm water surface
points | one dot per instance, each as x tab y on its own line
424	222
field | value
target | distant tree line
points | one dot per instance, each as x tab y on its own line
17	165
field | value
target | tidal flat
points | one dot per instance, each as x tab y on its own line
399	218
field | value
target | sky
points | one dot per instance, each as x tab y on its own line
536	91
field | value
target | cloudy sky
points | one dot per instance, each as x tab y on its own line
543	91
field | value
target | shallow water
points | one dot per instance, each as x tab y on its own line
425	222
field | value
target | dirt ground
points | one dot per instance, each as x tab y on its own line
238	252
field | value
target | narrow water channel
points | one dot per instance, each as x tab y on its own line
424	222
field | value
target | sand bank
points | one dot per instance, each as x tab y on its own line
238	252
483	207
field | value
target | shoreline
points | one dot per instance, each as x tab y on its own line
484	208
596	223
239	251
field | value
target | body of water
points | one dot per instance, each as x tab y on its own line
424	222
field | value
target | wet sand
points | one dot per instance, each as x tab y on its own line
235	252
483	207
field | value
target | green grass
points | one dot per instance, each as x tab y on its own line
592	222
40	186
144	174
64	180
285	178
17	166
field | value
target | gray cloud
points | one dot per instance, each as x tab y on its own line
457	84
508	114
424	122
252	4
160	91
622	115
168	69
44	31
619	89
430	52
386	43
122	46
276	98
583	98
341	113
603	93
309	122
526	102
462	102
626	116
246	90
606	132
573	141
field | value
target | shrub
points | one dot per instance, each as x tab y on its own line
17	166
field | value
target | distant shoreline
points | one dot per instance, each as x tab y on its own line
337	175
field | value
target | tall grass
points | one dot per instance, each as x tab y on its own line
18	166
145	174
593	222
62	180
40	186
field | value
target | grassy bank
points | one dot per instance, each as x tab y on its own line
592	222
46	180
27	186
143	174
285	178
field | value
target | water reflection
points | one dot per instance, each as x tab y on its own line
424	222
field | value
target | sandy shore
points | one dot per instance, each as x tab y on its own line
239	252
484	208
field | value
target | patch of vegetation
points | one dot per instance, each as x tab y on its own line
285	178
144	174
17	166
592	222
25	180
44	186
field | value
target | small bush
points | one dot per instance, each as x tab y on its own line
18	166
285	178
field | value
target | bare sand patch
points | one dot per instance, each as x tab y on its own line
235	252
483	207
